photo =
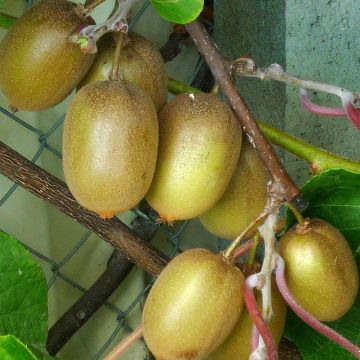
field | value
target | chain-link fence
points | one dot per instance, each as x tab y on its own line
55	267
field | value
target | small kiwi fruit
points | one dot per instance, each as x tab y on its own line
193	306
237	345
199	146
244	198
110	144
39	65
320	269
140	63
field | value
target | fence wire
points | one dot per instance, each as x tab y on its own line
173	236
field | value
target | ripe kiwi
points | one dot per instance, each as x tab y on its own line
199	146
39	65
140	63
238	344
110	146
193	306
244	198
320	269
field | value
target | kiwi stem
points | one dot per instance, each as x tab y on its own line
252	254
319	159
296	213
257	318
247	67
305	316
247	232
122	346
177	87
91	5
115	75
254	338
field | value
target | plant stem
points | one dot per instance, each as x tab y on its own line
91	5
88	36
219	68
177	87
114	75
257	318
319	159
296	213
124	345
250	228
6	21
305	316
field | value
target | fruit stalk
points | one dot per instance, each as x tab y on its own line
319	159
247	67
230	251
125	344
47	187
114	75
88	36
218	67
305	316
91	5
250	301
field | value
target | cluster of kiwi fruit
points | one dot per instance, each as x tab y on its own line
122	142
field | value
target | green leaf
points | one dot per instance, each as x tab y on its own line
178	11
334	196
6	20
23	294
13	349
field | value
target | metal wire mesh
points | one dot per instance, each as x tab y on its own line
173	235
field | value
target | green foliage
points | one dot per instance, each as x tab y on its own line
178	11
23	294
13	349
334	196
6	20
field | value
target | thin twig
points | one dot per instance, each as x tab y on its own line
91	5
219	67
247	67
114	75
82	310
246	232
124	345
88	36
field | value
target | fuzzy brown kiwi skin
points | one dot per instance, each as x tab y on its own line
199	146
320	269
110	144
193	305
140	63
244	198
39	65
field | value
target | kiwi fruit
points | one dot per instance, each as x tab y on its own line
320	269
238	344
110	144
39	65
244	198
140	63
193	306
199	146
